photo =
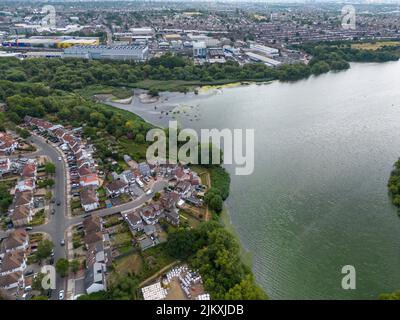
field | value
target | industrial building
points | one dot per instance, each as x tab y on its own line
50	42
199	49
268	51
126	53
259	58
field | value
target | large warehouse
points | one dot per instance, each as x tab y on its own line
127	53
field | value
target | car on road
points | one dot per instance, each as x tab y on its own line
28	228
28	273
53	211
62	242
61	295
58	202
59	158
149	192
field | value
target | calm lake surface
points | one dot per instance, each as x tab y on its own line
317	199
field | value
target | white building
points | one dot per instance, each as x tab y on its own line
199	50
268	51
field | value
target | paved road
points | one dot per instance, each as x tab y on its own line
158	186
57	222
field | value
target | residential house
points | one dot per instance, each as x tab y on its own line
89	180
144	169
23	198
116	188
16	241
89	199
146	243
151	213
134	220
85	170
183	186
7	143
12	280
5	165
21	215
95	278
14	261
29	170
26	185
172	216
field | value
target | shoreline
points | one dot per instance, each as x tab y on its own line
165	98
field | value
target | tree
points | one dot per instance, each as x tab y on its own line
48	195
50	168
182	243
45	249
37	283
157	196
75	266
62	267
246	290
216	203
125	288
214	200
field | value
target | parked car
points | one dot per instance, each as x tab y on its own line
28	273
61	295
28	228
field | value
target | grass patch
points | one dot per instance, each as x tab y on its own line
375	45
38	219
189	219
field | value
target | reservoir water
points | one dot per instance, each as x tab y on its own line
317	199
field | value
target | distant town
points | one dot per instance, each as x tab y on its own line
250	32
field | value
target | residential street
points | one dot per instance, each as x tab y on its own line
57	225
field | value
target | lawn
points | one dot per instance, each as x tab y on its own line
375	45
129	264
187	217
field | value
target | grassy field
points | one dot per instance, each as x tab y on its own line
129	264
181	85
375	45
